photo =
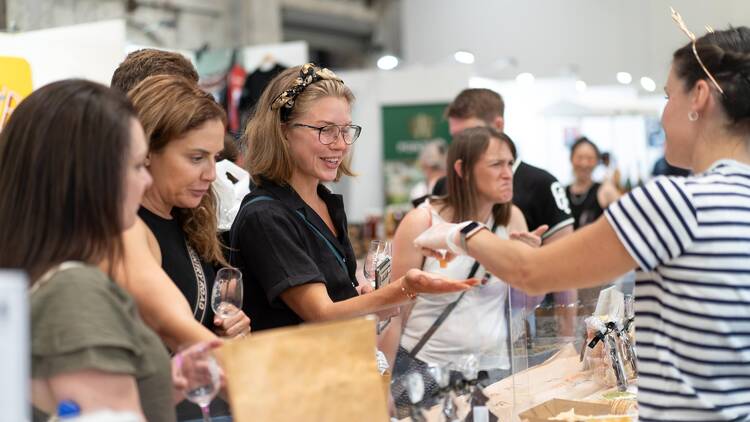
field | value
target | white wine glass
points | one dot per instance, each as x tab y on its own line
226	295
377	263
201	371
377	271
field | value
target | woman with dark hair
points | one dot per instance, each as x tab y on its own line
290	237
72	175
587	198
687	237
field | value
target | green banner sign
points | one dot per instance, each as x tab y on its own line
407	128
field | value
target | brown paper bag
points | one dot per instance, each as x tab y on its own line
312	372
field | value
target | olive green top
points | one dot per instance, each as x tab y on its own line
81	319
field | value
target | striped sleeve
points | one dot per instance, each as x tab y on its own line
655	222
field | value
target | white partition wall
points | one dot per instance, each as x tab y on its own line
91	51
539	117
364	194
14	353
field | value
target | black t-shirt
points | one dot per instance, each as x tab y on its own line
541	198
584	207
275	247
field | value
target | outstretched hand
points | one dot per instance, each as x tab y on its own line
533	238
418	281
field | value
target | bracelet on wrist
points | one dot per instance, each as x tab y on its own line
407	293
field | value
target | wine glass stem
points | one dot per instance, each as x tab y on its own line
206	414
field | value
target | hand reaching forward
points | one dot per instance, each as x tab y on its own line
418	281
533	239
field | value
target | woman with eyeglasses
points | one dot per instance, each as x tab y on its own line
290	236
688	239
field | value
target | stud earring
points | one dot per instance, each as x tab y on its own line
693	116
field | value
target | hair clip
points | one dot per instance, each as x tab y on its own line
681	23
308	74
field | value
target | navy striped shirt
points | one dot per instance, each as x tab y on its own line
691	239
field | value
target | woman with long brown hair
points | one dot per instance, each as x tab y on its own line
72	175
479	187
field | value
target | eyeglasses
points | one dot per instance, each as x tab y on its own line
330	133
681	23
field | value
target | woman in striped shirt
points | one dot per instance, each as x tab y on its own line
688	238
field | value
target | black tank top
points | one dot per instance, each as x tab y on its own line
584	207
175	260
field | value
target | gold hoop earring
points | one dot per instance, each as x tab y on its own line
693	116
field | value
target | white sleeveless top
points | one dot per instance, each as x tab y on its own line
477	325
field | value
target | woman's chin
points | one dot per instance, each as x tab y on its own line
188	203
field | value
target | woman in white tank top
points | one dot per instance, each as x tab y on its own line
480	187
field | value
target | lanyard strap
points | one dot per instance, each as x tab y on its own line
334	251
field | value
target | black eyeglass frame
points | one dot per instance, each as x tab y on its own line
358	131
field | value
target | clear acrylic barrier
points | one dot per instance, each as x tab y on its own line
543	347
482	341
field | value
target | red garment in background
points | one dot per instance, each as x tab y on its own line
235	82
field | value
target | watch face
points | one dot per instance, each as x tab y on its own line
469	227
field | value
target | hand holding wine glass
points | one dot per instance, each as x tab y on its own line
201	376
226	302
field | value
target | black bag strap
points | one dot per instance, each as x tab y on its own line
447	311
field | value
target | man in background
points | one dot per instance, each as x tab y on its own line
536	192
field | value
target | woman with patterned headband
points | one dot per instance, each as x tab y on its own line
290	237
689	239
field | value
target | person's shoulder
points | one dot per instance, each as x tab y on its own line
419	217
85	276
82	284
261	210
260	202
536	174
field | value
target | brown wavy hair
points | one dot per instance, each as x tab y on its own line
468	146
268	153
168	107
63	157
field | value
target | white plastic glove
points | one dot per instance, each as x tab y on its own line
442	236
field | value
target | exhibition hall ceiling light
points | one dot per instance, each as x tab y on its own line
624	78
525	79
464	57
648	84
387	62
580	85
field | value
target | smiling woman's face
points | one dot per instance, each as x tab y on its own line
311	158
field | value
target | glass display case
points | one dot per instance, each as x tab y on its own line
563	352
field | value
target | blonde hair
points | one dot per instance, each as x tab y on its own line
268	155
168	107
